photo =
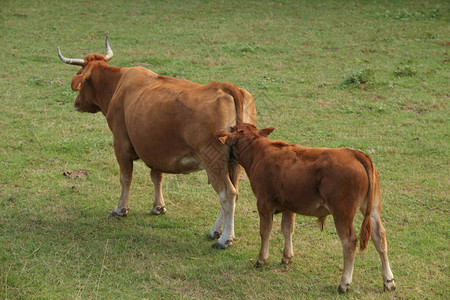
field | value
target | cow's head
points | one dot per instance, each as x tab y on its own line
241	136
86	101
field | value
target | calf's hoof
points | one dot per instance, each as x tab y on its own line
117	213
159	210
343	288
286	261
258	265
389	285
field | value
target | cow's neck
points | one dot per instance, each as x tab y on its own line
106	81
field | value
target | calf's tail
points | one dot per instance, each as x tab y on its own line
366	226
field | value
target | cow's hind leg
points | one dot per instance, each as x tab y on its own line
347	234
218	177
234	172
159	207
379	239
216	230
287	227
227	196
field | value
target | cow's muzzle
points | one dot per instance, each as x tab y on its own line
76	105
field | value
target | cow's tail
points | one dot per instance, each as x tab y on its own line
366	227
232	90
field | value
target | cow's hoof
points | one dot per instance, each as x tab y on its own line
159	210
219	245
389	285
119	213
343	288
215	235
258	265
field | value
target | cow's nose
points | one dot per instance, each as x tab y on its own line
77	108
75	104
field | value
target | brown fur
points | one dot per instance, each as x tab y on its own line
169	124
316	182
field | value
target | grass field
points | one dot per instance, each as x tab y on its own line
370	75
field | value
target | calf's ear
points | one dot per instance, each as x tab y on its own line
223	136
266	131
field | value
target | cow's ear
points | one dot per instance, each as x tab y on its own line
223	136
266	131
76	82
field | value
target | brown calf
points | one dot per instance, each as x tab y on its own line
315	182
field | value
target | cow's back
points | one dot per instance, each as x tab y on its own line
169	120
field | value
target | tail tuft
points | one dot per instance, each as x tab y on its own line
366	231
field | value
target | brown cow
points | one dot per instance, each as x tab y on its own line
314	182
169	124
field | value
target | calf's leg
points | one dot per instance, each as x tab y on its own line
379	239
287	227
159	207
265	227
347	234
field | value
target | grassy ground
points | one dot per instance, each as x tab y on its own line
371	75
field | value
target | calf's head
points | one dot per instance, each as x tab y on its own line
241	136
86	100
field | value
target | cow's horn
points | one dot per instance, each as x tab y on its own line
70	61
109	52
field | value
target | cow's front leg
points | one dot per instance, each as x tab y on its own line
287	227
125	160
159	207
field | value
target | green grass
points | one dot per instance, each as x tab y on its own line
371	75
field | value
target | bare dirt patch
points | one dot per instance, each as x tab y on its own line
73	174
